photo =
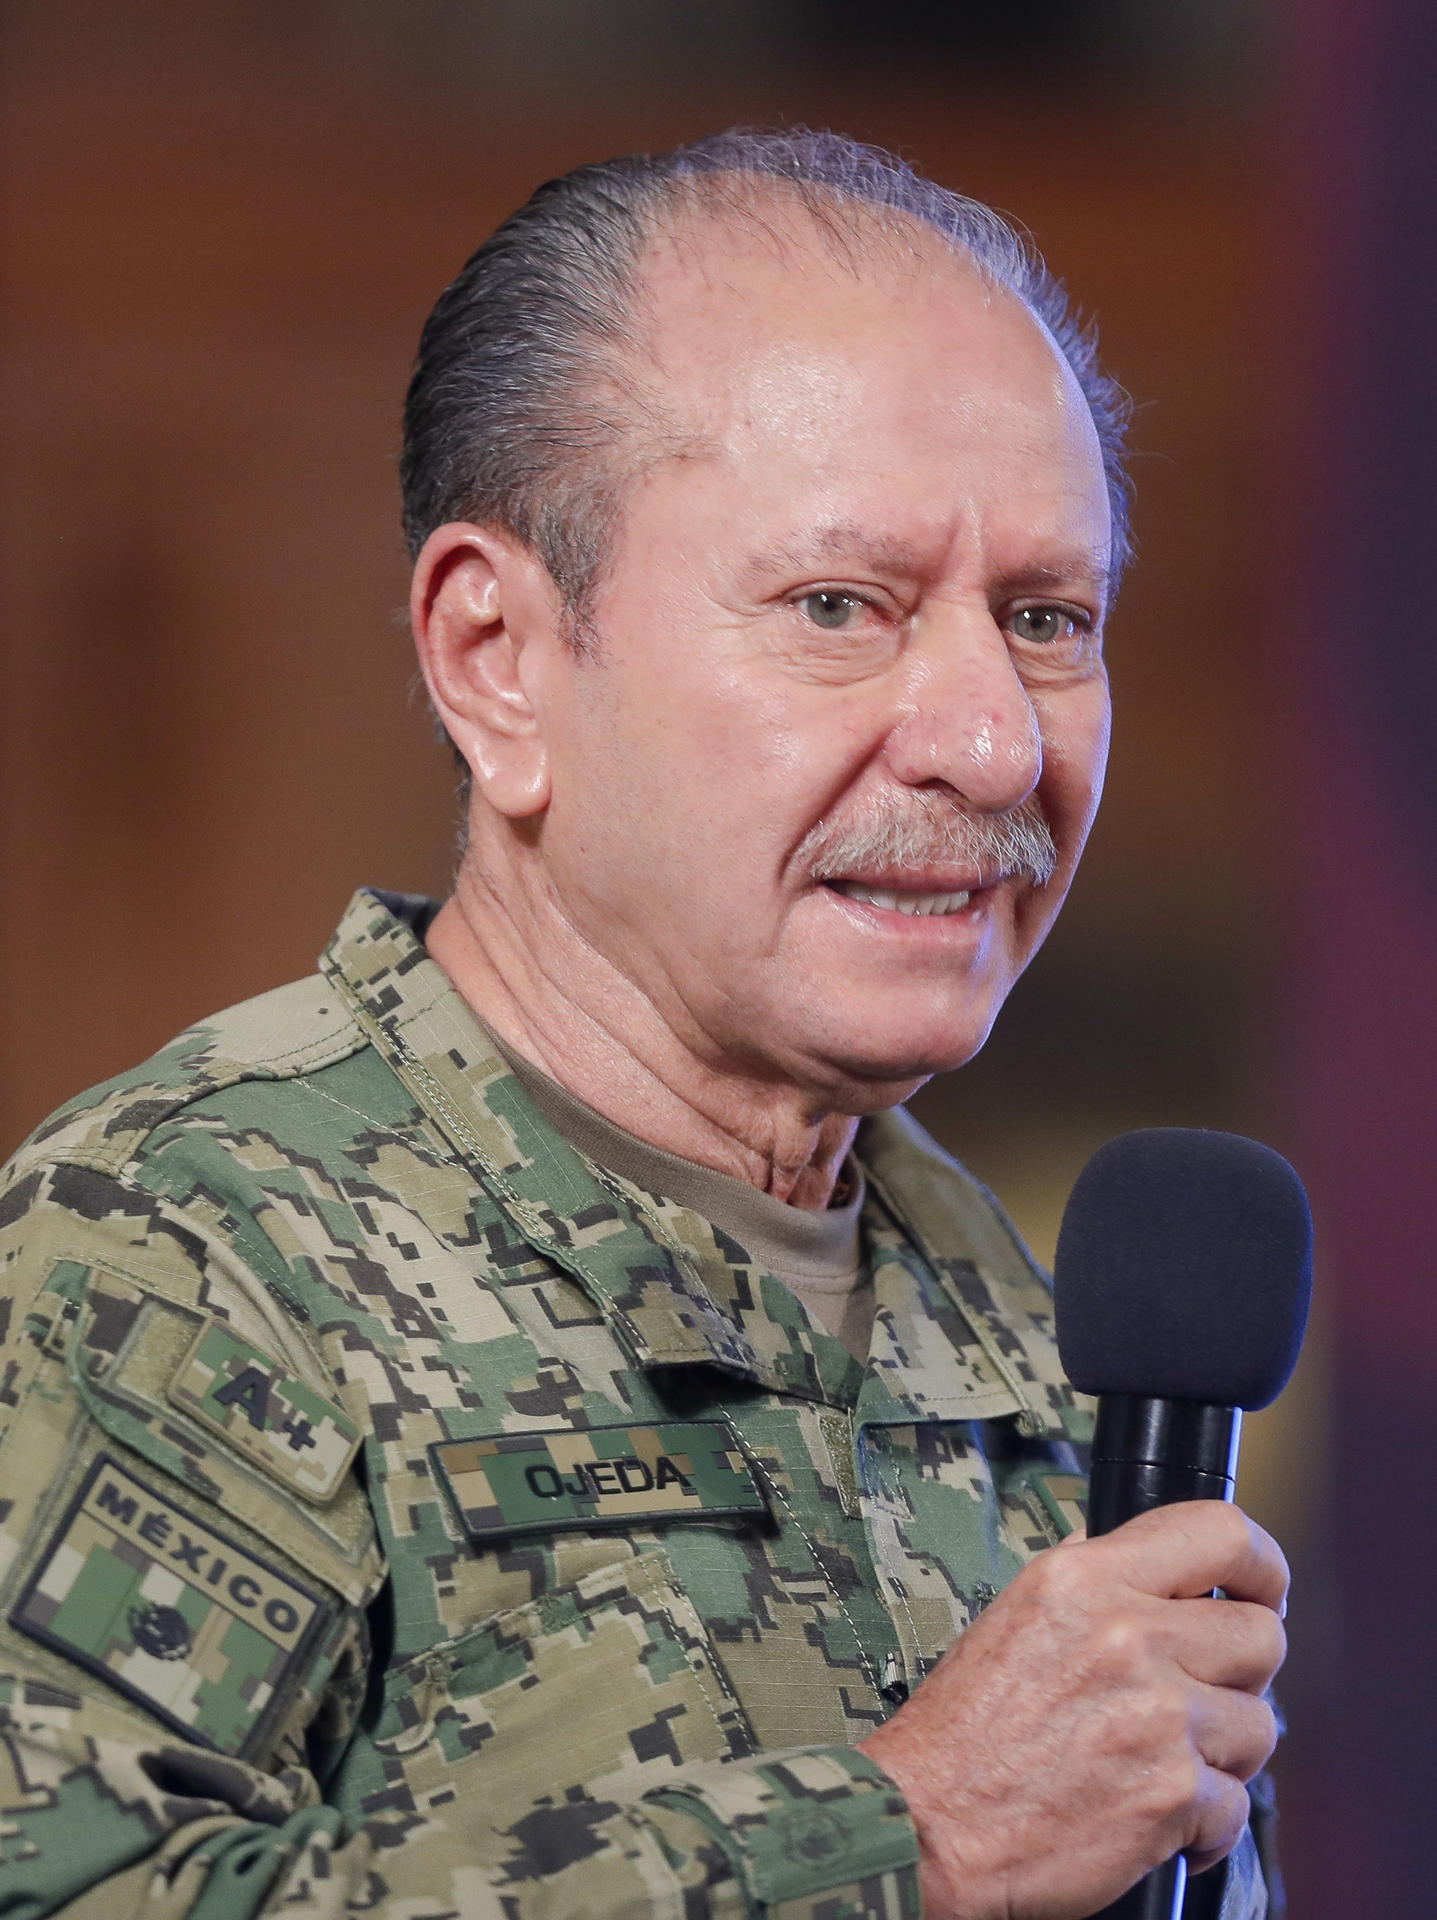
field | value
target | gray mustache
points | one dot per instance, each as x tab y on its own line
929	830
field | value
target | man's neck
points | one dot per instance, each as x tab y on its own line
582	1023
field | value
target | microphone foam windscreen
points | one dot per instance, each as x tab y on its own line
1184	1269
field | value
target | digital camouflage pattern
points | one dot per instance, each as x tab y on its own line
334	1212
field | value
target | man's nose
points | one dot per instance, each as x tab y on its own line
966	719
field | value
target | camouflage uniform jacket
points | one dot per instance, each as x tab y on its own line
402	1515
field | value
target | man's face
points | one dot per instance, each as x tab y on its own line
872	602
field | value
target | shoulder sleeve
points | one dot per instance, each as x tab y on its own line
184	1645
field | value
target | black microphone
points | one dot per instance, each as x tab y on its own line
1182	1282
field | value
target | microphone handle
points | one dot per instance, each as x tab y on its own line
1149	1453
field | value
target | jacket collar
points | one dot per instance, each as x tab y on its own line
647	1286
968	1331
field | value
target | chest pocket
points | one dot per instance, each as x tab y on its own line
606	1685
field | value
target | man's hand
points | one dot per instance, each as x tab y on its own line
1102	1715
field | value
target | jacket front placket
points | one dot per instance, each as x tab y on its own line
958	1451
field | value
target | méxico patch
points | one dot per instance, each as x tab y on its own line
280	1423
197	1628
599	1477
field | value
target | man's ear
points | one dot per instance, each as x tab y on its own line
482	606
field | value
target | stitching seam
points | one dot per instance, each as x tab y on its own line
872	1677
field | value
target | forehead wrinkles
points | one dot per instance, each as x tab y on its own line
731	362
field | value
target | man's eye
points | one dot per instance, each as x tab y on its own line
828	608
1044	626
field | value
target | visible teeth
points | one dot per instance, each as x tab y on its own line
914	903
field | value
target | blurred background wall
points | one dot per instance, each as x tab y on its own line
223	226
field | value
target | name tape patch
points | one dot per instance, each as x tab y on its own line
602	1477
280	1423
198	1629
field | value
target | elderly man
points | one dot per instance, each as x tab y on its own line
516	1424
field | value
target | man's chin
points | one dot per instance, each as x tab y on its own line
895	1028
881	1072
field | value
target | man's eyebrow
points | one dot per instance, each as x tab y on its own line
1091	567
845	544
841	543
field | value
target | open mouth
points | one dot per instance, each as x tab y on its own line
902	901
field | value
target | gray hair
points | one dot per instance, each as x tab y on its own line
529	410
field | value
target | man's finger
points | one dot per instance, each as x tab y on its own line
1233	1732
1226	1643
1182	1551
1219	1816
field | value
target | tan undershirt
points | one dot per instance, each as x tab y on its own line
818	1254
